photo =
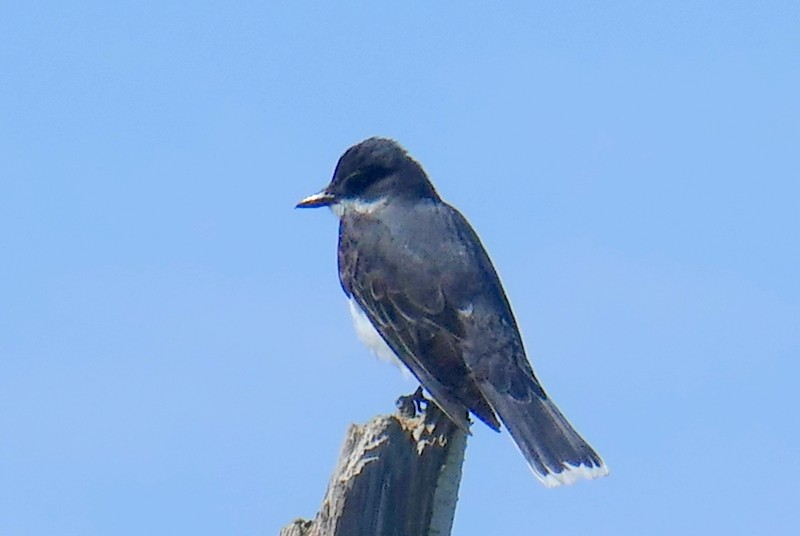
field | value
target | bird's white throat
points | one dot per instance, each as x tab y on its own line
347	206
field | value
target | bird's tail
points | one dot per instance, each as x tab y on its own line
554	450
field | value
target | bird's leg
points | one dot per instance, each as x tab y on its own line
411	405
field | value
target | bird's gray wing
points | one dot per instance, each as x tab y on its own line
399	282
493	352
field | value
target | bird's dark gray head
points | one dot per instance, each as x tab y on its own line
375	169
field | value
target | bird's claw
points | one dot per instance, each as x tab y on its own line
411	405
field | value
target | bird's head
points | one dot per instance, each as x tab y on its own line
375	171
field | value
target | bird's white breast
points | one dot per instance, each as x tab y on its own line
368	335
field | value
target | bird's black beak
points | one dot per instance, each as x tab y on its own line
321	199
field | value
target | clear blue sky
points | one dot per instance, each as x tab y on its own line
176	356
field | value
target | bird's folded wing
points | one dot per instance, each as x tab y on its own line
405	301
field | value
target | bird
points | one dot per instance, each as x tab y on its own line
424	294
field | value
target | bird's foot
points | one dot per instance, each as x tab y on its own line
411	405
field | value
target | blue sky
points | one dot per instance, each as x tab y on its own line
175	352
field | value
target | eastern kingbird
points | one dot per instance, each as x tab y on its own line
424	294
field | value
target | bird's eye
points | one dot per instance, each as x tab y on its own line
359	180
356	180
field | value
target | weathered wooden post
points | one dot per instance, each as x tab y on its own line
397	475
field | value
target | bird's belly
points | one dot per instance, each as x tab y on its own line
368	335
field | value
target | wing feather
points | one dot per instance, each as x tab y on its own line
410	310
